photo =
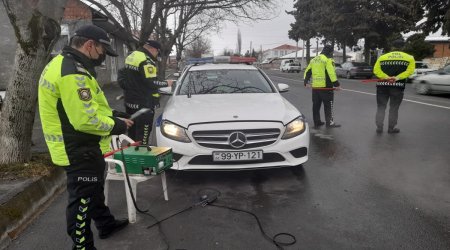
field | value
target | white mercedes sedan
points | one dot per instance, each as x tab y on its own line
231	117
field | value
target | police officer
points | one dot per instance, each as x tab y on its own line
393	69
77	123
140	84
321	70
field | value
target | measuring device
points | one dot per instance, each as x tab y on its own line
146	160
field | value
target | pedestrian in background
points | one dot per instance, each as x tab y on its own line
322	71
393	69
140	85
77	123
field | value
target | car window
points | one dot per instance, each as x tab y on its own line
421	65
360	64
447	69
224	82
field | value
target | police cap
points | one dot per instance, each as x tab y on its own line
97	34
327	50
154	44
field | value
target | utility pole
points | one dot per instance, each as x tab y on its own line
303	54
296	50
317	46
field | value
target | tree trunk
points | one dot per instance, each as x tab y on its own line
163	66
308	51
344	52
36	25
366	51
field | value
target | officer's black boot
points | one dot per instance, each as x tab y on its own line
117	226
393	130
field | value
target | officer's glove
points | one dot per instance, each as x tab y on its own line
117	113
336	84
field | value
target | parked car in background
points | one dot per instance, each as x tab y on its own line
437	81
231	116
421	68
339	70
290	66
355	69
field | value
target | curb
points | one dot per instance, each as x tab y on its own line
21	209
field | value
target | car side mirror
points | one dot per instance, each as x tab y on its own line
166	91
282	87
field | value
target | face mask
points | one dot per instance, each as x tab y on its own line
101	58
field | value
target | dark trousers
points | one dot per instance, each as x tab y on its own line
384	94
85	183
142	128
326	97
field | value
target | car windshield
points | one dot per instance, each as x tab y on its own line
294	64
224	81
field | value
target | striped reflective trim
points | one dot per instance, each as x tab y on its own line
160	83
48	85
132	106
131	67
80	81
105	127
53	138
80	225
93	120
81	217
90	111
85	201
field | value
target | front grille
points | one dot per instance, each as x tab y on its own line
208	160
220	138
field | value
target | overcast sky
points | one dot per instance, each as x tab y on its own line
268	34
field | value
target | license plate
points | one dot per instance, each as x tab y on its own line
238	155
367	69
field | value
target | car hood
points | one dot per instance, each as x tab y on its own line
225	107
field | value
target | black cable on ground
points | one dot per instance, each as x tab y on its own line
279	244
209	200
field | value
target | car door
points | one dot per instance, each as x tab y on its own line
442	80
339	71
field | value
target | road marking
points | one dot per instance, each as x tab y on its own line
366	93
407	100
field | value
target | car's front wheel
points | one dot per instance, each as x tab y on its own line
423	88
349	76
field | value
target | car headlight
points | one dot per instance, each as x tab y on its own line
294	128
174	132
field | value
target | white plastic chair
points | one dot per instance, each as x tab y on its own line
134	178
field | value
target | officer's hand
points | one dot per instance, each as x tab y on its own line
392	79
308	86
128	122
170	82
117	113
338	88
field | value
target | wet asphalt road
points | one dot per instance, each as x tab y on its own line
359	190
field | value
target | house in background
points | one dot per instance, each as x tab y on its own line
279	52
441	56
441	45
76	14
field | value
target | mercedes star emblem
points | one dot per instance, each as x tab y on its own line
237	139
